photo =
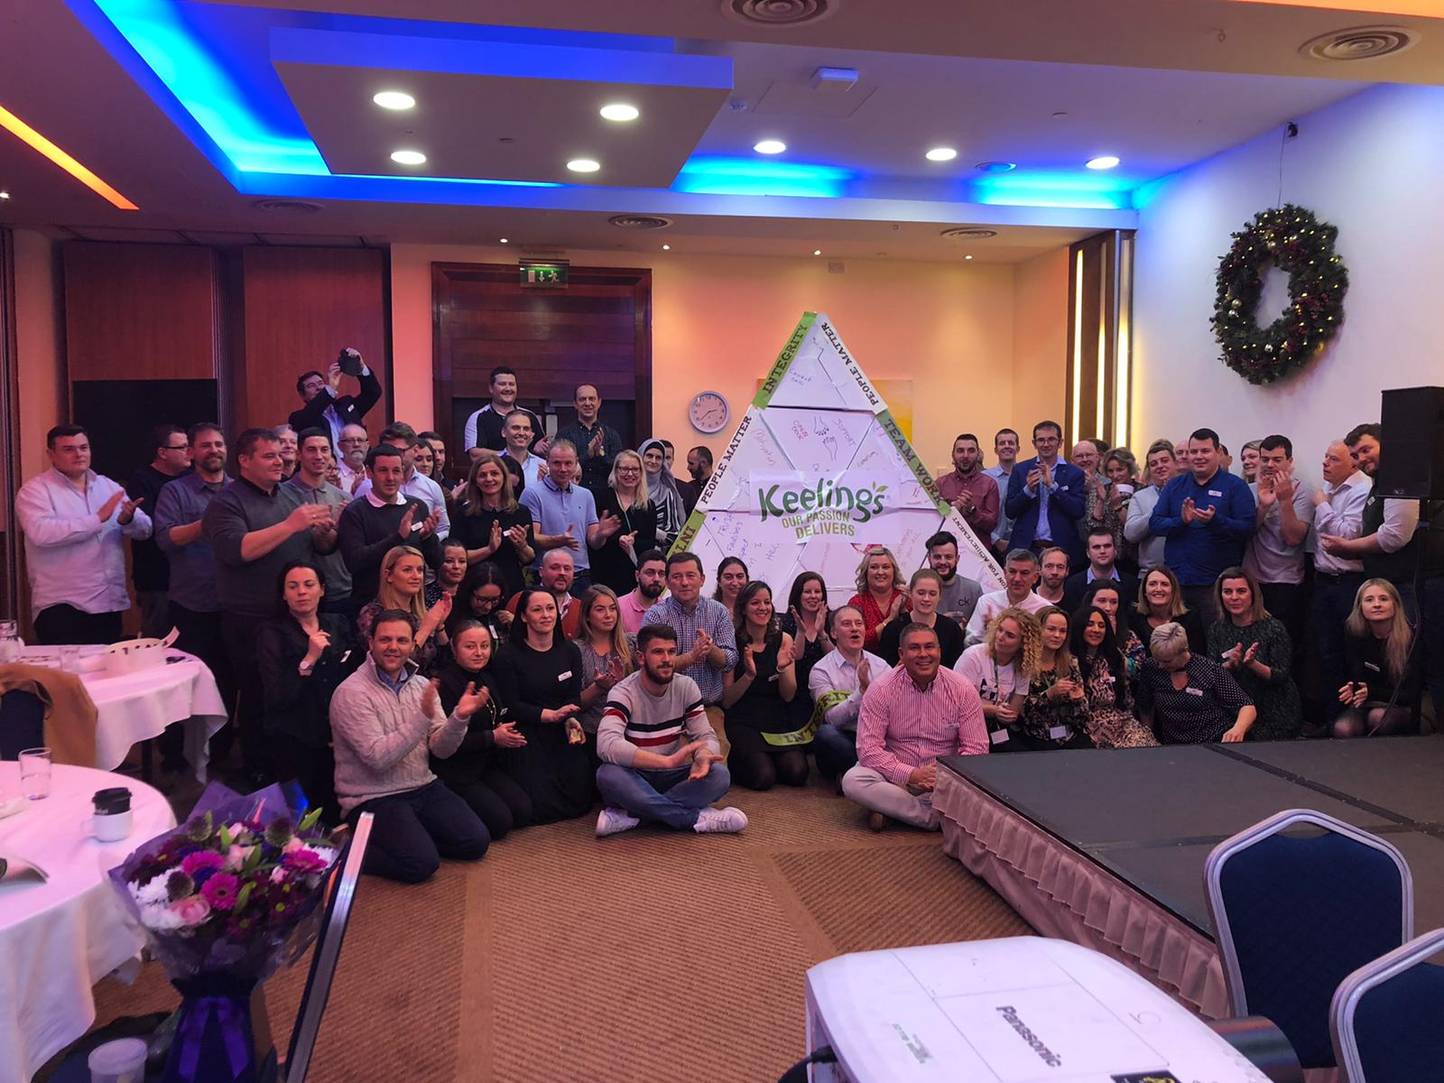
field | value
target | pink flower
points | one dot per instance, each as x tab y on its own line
304	861
292	845
201	859
277	874
236	857
220	890
192	910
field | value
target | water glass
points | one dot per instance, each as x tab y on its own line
35	773
70	658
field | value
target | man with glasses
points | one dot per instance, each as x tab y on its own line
73	520
1047	497
149	569
354	443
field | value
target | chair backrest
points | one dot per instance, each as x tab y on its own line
1294	915
22	723
327	953
1387	1018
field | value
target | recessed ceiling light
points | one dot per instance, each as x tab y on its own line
769	146
620	111
666	248
941	154
408	157
503	240
4	194
1103	161
967	257
584	165
817	251
394	99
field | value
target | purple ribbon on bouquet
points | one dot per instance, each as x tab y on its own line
223	1054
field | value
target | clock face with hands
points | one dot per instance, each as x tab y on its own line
708	412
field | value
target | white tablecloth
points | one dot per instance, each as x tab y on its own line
138	706
58	938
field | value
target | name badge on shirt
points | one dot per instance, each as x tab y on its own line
998	737
1062	488
1194	691
1215	492
773	677
1057	733
564	676
1370	665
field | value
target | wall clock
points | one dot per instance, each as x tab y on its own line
708	412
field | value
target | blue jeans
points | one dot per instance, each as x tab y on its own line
664	797
835	749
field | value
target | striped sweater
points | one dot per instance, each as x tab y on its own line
634	718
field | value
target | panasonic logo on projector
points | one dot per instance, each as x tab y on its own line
1046	1055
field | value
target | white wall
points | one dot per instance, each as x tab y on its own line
1373	165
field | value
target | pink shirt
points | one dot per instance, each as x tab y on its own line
901	727
632	612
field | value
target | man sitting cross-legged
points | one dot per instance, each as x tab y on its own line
910	716
661	761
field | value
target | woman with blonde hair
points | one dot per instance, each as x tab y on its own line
606	654
881	592
1188	699
1255	647
402	585
625	499
1000	668
1054	711
491	523
1384	679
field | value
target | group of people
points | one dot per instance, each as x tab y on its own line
463	657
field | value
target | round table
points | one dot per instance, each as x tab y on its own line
135	707
61	936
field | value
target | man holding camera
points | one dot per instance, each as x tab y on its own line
326	408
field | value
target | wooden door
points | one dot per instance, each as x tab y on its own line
598	330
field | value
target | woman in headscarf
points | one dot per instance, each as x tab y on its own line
662	489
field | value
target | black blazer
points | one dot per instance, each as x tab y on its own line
295	706
1076	585
351	409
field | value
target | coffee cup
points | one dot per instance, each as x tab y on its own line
113	818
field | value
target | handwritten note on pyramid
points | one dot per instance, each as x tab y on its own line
817	472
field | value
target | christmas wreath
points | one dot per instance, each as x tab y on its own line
1299	244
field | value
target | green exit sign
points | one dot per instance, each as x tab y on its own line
544	275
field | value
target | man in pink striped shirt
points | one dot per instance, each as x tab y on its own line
910	716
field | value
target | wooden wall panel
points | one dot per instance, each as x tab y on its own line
141	312
301	306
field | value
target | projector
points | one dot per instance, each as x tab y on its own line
1021	1010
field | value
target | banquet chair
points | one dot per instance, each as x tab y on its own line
22	723
327	954
1294	914
1387	1017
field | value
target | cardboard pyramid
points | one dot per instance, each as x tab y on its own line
816	472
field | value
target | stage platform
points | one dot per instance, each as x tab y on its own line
1106	848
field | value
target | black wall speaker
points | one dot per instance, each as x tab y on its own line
1411	461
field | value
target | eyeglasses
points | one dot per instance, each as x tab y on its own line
170	447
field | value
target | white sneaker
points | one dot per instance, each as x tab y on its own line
614	820
729	820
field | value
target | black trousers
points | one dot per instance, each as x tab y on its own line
313	768
1200	600
1332	602
1289	602
495	797
760	766
63	623
414	830
200	634
240	634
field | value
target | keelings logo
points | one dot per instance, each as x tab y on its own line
864	503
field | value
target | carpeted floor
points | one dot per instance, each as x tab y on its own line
644	956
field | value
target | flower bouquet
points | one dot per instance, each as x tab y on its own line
226	899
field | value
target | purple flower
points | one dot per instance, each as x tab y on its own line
220	890
304	861
201	859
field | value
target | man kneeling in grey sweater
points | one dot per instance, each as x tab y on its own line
385	721
660	758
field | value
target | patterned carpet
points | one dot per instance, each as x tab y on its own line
648	955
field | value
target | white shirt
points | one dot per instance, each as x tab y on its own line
530	467
994	683
333	419
834	673
421	487
1341	515
71	557
990	605
349	476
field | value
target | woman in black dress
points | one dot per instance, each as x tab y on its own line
625	499
767	746
473	771
1384	677
482	598
1160	601
492	524
539	675
806	622
925	592
1188	699
1256	649
303	656
1055	708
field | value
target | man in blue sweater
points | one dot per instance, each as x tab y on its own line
1206	514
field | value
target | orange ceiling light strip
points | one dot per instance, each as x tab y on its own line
1431	9
29	136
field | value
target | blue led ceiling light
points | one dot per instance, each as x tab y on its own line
1042	188
723	176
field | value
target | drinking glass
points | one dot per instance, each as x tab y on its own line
35	773
70	658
